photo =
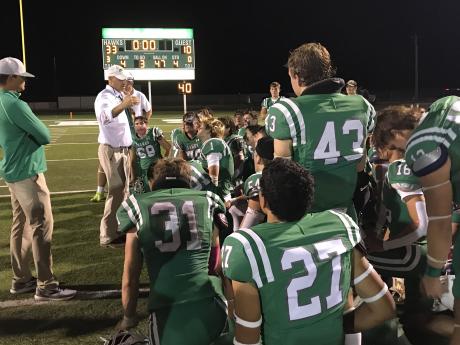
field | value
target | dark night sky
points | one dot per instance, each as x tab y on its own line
242	47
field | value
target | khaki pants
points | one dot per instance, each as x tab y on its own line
115	162
31	231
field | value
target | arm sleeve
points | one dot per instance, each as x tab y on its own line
414	235
29	122
103	108
213	158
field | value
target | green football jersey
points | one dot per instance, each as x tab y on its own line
226	168
190	147
302	271
148	149
251	186
328	133
268	102
400	182
199	178
439	128
242	132
174	228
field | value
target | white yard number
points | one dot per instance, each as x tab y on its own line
325	250
172	225
327	146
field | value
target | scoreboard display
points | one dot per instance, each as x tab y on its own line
150	54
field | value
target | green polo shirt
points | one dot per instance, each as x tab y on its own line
22	136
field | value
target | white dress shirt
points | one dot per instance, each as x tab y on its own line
113	131
144	104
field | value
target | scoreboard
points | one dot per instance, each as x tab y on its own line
150	54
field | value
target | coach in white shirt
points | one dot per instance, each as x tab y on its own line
143	108
114	144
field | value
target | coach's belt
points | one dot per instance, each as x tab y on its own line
118	148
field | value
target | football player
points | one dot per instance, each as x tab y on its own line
216	157
403	254
262	156
322	129
171	228
186	144
296	269
147	145
275	89
431	144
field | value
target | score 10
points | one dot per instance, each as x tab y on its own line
184	88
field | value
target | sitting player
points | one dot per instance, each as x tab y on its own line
262	156
296	269
147	145
171	227
185	143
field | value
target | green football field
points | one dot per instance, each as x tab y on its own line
79	261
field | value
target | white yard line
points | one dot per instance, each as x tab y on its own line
70	159
81	295
60	193
71	144
80	133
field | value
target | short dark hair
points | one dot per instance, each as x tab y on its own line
143	118
288	189
254	129
311	62
265	149
3	78
393	118
275	84
170	173
228	123
188	117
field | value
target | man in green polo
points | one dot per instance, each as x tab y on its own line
22	136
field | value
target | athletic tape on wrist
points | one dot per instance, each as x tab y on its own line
363	275
435	218
377	296
248	324
436	261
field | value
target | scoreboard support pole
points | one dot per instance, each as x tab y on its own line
150	91
185	102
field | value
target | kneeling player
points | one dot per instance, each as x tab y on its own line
171	227
147	145
296	269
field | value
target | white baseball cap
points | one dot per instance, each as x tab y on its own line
13	66
129	76
117	72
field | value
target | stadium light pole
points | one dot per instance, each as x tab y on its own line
22	34
416	67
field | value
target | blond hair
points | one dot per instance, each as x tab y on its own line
215	127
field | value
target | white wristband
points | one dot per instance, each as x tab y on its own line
377	296
248	324
435	186
434	218
436	261
363	275
236	342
